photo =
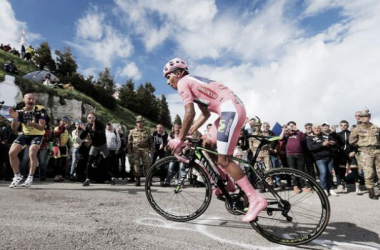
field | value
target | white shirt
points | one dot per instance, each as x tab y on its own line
113	140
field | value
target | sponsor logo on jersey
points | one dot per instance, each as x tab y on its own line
225	124
184	96
207	92
221	87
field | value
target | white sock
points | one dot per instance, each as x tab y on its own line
18	175
30	176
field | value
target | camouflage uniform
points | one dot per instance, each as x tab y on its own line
366	138
264	152
139	143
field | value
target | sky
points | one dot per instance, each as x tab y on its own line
306	61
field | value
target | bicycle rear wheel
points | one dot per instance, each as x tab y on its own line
300	218
184	201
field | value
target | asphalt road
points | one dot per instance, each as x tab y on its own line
68	216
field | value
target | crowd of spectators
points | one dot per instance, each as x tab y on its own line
26	53
93	152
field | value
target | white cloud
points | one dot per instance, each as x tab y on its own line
326	77
91	26
11	28
131	71
98	40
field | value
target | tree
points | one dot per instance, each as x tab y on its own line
177	120
106	81
127	96
164	112
66	64
148	104
42	57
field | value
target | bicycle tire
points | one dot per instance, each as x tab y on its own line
179	202
309	211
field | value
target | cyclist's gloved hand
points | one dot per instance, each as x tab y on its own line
175	145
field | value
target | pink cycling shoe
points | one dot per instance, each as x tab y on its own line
256	202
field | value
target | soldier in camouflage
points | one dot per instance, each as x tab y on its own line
139	143
264	152
366	137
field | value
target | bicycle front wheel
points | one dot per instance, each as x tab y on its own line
176	198
296	218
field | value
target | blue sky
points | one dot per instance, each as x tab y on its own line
308	61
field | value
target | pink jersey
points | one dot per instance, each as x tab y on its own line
204	92
218	99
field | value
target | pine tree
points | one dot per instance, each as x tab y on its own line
106	81
127	96
177	120
42	57
164	112
66	64
147	103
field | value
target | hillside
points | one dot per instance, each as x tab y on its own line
118	115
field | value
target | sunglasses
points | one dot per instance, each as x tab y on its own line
90	117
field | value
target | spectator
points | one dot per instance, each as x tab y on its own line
47	81
43	152
97	133
366	137
123	149
319	144
32	120
295	140
7	48
61	148
160	140
139	143
29	53
249	125
23	51
113	144
347	160
175	164
76	145
309	159
334	150
11	68
83	156
263	156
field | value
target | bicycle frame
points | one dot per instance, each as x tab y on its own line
200	157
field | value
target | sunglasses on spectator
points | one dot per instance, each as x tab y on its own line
91	117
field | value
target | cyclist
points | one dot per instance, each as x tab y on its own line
212	96
32	119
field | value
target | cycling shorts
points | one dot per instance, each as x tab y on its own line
28	140
226	129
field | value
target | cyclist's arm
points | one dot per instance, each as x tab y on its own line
201	119
187	120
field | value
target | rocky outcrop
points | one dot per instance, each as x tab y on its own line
56	106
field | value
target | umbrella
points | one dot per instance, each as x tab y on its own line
39	76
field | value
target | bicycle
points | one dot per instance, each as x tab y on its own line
289	219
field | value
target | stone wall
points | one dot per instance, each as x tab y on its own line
55	106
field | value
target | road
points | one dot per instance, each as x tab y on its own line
68	216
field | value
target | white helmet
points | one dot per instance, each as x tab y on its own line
174	64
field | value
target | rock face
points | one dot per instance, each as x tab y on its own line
55	106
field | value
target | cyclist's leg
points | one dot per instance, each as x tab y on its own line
210	142
232	118
256	202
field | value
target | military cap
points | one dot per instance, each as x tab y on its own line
139	118
365	112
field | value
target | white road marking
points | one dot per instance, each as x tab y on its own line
202	227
